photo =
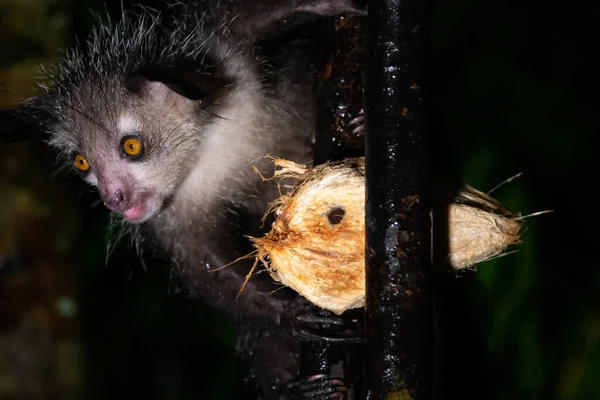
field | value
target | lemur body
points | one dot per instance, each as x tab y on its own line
166	117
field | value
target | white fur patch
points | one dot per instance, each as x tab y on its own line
91	179
230	146
128	125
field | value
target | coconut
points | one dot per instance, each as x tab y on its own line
316	245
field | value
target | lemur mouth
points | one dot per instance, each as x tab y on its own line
141	211
135	213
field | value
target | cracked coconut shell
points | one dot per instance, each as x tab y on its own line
316	245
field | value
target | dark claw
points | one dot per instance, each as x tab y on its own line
316	387
331	328
319	319
359	122
311	323
358	129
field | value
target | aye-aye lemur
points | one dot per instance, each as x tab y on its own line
166	116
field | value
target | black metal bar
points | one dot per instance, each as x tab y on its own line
399	307
340	94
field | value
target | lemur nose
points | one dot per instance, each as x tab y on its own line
116	201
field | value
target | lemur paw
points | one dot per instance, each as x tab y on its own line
358	122
311	323
316	387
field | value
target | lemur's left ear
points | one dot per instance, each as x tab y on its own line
332	7
254	17
25	123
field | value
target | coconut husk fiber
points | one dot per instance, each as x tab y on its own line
316	244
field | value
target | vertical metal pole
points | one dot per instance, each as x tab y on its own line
399	306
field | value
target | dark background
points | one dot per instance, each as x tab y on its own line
512	87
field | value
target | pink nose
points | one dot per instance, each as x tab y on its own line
115	199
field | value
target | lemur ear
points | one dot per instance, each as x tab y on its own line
254	18
175	85
25	123
149	89
331	7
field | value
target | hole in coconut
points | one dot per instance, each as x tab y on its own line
336	215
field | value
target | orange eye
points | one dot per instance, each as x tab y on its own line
132	147
81	163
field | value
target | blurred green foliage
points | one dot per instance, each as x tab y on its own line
510	89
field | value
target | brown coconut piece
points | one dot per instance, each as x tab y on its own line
316	245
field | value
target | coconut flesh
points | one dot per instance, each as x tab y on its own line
316	245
